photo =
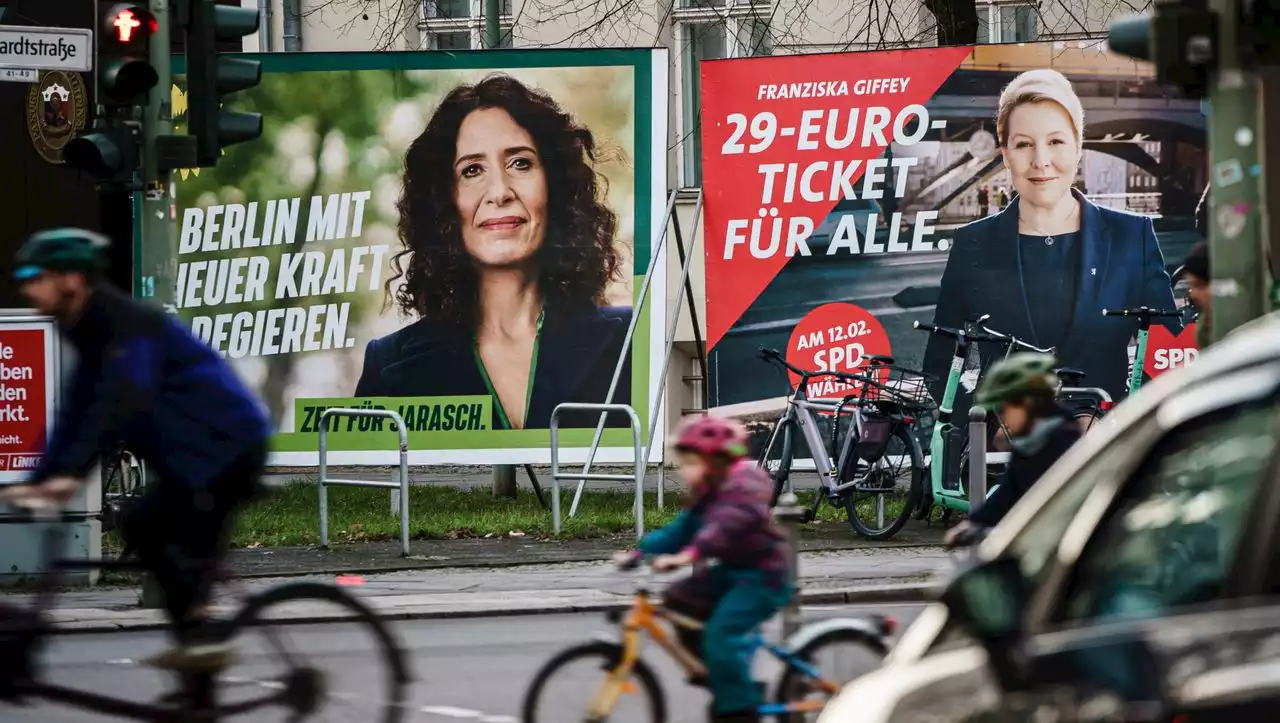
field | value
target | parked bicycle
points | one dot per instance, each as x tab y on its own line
877	467
949	443
122	485
300	690
1144	315
802	689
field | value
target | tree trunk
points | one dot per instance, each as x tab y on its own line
957	21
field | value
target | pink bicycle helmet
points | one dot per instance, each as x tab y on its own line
712	435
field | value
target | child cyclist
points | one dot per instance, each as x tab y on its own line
727	517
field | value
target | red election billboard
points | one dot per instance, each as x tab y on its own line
849	195
28	388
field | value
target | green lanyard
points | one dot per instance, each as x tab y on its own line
533	369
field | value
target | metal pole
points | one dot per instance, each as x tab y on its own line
977	457
404	486
790	515
640	470
626	347
324	474
492	35
1236	206
157	185
699	347
672	323
1269	78
555	473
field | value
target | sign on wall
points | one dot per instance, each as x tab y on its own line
29	374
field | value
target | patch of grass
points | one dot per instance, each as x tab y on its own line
291	515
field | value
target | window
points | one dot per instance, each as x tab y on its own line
710	30
1007	23
448	9
459	24
450	41
1171	539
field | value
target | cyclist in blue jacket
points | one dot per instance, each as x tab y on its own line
144	381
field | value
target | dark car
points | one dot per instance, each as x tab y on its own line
1139	580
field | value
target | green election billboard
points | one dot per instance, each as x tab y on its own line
457	237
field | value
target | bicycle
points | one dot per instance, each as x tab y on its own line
123	484
301	692
949	442
1144	315
888	415
624	666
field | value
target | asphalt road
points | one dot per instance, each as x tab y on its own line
474	669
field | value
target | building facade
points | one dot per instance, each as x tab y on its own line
695	30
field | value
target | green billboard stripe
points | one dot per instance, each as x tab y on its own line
282	260
420	414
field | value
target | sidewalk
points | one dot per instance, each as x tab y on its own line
850	576
384	556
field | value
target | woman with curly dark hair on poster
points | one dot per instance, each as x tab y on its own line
508	252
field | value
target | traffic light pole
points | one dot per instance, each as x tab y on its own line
1236	205
157	221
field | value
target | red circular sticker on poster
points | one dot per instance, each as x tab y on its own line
835	337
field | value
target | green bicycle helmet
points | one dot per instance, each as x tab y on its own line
61	249
1016	376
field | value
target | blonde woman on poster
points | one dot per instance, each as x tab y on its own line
508	251
1046	266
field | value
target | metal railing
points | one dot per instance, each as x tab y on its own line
583	476
401	485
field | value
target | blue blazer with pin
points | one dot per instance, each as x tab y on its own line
1117	264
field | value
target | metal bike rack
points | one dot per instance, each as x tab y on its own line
402	485
582	477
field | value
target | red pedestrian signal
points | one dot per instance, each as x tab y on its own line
125	23
128	23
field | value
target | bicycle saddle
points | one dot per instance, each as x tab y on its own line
880	358
1070	374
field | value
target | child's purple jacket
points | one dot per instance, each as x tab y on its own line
732	523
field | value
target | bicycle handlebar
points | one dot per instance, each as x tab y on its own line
1142	312
775	356
1011	339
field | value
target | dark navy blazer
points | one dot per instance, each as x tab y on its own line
1120	266
577	353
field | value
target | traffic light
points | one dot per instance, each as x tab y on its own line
125	73
211	76
1180	39
111	150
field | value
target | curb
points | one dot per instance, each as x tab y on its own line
903	593
490	563
505	563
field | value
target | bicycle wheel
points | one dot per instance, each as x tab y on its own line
600	658
1086	419
797	686
886	492
781	442
305	690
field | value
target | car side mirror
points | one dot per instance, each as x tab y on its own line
987	600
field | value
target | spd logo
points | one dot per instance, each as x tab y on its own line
1166	351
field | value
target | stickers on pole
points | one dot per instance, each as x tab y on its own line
835	337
